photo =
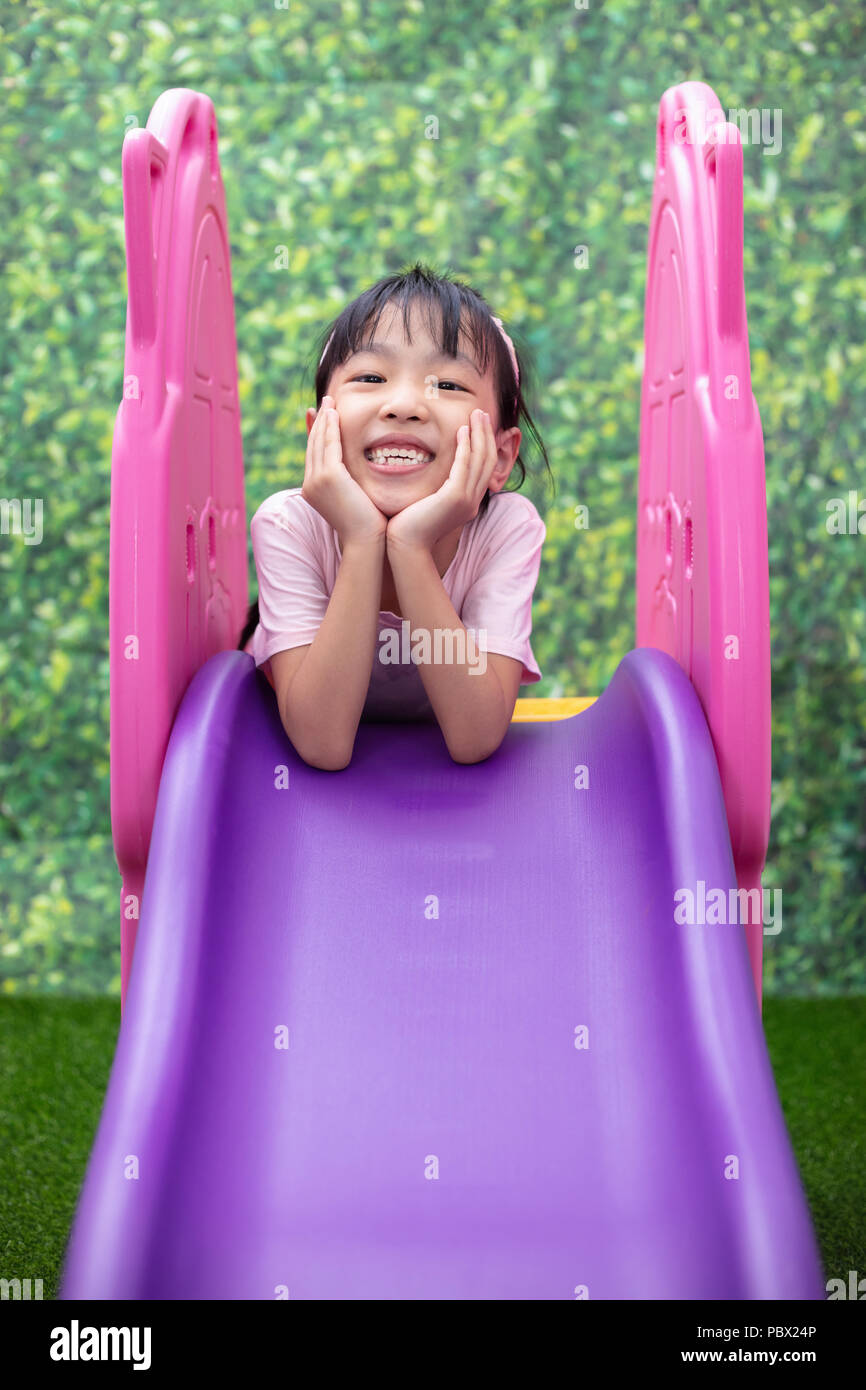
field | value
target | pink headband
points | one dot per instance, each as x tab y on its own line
512	354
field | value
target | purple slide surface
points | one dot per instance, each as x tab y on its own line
416	1030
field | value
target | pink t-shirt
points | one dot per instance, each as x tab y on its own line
490	582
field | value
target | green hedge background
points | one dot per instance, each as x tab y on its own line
547	120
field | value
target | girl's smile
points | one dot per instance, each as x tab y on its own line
398	454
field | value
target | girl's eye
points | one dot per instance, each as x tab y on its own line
367	375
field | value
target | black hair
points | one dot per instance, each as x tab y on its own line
450	306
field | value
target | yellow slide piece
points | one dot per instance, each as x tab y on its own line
537	711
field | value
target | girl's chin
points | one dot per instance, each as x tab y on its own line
388	504
391	495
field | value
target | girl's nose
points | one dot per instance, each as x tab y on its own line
409	405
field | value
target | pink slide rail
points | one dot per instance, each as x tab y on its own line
178	550
702	565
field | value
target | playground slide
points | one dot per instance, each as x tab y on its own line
415	1030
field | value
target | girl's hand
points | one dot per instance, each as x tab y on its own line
457	501
329	486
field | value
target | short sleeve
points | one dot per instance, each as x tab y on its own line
293	598
499	599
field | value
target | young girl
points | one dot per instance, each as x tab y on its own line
401	533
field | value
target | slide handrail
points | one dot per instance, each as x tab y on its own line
178	550
702	562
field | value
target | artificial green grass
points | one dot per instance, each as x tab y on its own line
818	1051
55	1059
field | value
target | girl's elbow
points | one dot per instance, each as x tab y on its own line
325	759
474	755
326	764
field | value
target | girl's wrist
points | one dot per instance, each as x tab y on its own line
363	545
399	545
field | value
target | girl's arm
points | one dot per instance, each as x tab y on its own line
473	704
322	699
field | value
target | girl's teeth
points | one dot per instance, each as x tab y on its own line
407	455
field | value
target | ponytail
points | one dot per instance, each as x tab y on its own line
251	625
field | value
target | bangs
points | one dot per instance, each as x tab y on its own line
456	318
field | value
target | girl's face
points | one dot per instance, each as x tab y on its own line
411	389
